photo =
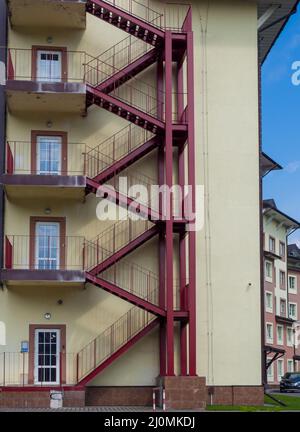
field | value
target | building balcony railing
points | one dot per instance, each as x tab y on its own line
46	64
16	369
51	78
21	159
25	252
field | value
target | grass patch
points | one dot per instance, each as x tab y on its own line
292	404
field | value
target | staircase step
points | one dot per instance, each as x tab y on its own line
118	352
125	250
131	297
126	21
124	110
124	200
127	73
126	161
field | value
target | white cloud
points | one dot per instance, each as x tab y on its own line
292	167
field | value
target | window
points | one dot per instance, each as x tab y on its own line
269	271
289	336
47	357
282	279
293	311
269	302
280	369
290	366
49	66
279	335
272	246
49	153
282	249
292	281
269	328
47	243
270	372
47	239
282	308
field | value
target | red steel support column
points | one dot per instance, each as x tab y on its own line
169	221
182	241
191	182
162	242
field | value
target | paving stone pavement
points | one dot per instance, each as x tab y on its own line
90	409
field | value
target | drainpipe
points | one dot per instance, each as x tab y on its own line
262	280
3	43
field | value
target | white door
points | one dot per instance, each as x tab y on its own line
47	356
47	245
49	150
49	64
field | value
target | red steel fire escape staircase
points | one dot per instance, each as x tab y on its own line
112	85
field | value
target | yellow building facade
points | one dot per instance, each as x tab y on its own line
55	140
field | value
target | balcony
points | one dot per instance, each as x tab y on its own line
46	79
48	13
48	166
32	260
16	369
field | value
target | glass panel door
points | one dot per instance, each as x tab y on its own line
49	66
46	356
47	246
49	150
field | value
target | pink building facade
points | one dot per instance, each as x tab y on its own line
281	294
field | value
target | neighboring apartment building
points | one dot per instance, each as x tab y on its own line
282	297
159	93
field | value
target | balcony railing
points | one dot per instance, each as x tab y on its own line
21	159
15	369
23	65
44	252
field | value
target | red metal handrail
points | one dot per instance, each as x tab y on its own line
112	339
115	148
120	234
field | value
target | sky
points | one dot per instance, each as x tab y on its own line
281	121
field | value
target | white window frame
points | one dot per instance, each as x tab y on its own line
271	339
280	361
289	342
270	371
268	278
280	342
272	239
269	308
282	300
282	285
36	356
282	245
292	290
52	75
295	317
47	259
49	141
290	362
